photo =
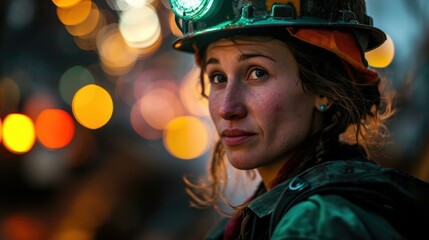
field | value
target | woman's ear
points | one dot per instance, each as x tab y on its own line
322	103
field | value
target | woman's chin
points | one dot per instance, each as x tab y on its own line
242	163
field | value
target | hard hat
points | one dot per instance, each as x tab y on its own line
205	21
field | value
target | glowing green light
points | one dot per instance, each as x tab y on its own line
193	9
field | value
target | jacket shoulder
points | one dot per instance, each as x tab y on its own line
332	217
395	195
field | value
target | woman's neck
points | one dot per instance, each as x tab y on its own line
270	172
302	158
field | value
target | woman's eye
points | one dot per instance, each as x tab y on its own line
217	78
257	73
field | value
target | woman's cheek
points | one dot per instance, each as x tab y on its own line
213	105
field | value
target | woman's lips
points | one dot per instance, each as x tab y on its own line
233	137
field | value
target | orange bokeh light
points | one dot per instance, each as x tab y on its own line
75	14
23	226
65	3
115	55
88	25
54	128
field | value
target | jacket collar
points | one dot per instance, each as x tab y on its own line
265	204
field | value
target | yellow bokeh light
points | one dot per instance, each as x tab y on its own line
19	134
75	14
382	56
65	3
186	137
92	106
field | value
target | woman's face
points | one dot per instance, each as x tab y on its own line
257	102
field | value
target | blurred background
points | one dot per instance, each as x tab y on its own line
100	119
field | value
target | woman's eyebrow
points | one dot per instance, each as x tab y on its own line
212	61
242	57
246	56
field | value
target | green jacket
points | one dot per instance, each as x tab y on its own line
352	199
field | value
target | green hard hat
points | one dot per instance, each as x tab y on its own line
205	21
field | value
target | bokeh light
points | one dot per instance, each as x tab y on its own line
88	25
190	93
140	27
116	56
65	3
160	106
45	168
173	26
72	80
137	3
123	5
92	106
140	126
22	226
15	17
71	233
145	52
152	78
186	137
382	56
18	133
54	128
88	41
76	13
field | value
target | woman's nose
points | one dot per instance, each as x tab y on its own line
233	106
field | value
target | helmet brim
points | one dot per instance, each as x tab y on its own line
266	27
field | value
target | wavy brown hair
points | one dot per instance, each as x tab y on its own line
358	116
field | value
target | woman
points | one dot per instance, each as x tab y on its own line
291	96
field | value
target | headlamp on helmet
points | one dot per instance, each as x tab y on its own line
194	9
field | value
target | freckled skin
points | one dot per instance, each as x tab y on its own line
270	106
